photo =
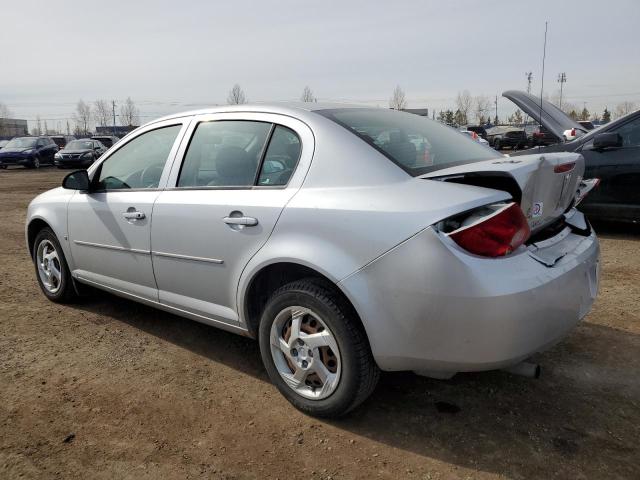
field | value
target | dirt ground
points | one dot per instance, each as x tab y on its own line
107	388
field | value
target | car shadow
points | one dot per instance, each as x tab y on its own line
586	401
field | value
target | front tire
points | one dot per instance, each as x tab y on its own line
51	266
315	350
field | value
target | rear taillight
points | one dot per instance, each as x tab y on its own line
493	235
573	132
564	167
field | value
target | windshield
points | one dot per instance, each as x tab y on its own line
23	142
416	144
79	145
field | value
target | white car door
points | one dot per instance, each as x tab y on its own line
224	196
109	227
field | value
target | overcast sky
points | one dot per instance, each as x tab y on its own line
178	55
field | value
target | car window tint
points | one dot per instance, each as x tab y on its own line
281	157
138	163
224	154
630	133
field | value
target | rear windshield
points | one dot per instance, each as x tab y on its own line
416	144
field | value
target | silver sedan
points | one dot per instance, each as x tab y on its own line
346	240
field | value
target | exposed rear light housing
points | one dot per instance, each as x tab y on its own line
492	231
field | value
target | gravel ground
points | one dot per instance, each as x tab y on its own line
109	389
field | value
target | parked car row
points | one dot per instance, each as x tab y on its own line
60	150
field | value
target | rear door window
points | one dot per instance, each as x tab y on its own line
224	153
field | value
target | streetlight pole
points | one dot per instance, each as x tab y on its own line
562	79
113	106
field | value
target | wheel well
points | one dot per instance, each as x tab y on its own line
272	277
34	227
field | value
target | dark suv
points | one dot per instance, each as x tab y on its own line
106	140
31	152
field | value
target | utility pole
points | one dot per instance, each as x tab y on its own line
113	106
562	79
496	103
529	76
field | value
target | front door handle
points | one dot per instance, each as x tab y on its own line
135	215
246	221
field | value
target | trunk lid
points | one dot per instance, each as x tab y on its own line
552	118
545	185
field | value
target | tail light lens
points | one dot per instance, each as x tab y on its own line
573	132
493	231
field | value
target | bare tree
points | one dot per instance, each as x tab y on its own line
102	112
4	111
398	100
624	108
129	113
483	104
307	95
236	96
464	102
82	117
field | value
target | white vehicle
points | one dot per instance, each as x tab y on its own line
346	240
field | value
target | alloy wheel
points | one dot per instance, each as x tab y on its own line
49	266
305	353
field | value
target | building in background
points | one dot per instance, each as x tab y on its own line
120	130
13	127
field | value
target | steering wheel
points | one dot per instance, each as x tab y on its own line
150	176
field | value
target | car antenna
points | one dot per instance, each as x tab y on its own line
544	56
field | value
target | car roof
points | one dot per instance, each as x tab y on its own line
286	108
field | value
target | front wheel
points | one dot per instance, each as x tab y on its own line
315	350
52	270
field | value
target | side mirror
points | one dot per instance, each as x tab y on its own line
78	180
606	140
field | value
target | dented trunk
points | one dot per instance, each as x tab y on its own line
545	186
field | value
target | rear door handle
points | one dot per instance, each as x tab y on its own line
246	221
135	215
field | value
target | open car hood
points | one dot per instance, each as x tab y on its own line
552	118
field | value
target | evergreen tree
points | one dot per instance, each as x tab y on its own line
584	115
606	116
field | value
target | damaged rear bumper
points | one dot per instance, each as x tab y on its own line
428	305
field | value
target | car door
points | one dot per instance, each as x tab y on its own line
109	227
228	189
619	172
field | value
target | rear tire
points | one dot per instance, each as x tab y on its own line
496	144
51	267
350	373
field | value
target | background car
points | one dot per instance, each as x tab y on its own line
587	124
538	135
79	153
479	129
106	140
474	136
612	154
557	125
31	152
62	140
506	136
